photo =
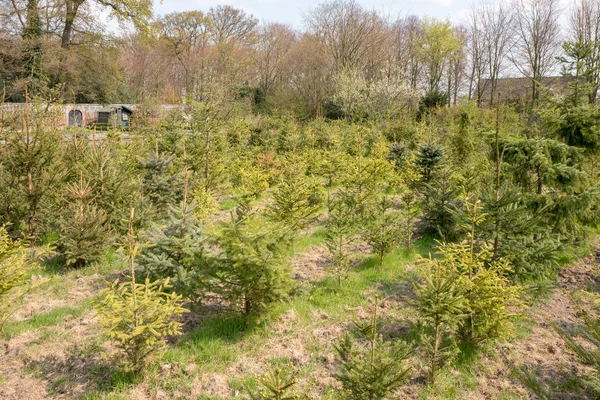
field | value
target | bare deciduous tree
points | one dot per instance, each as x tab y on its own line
497	24
584	24
406	33
186	35
272	49
347	30
475	44
537	32
309	72
233	32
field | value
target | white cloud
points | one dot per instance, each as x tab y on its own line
445	3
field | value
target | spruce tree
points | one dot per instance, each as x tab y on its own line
296	202
138	316
514	224
251	182
517	233
382	231
441	305
429	161
160	185
85	231
175	251
278	383
371	369
441	207
341	227
489	295
554	186
252	270
399	155
409	212
16	265
30	172
113	178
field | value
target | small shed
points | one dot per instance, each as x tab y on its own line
115	114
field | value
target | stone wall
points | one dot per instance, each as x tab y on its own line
88	111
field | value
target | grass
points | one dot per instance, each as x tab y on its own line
228	204
223	341
212	346
110	263
305	242
46	319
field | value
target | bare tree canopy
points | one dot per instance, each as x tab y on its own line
346	29
537	32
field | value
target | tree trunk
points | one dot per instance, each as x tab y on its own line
539	179
70	15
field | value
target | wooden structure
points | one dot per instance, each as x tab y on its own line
116	115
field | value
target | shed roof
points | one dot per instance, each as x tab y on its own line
113	108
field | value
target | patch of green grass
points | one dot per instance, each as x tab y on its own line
449	386
509	394
228	204
110	262
469	354
59	382
212	346
45	319
305	242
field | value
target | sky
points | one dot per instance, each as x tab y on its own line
291	12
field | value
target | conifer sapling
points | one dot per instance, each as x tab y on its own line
371	369
138	316
278	383
85	230
382	231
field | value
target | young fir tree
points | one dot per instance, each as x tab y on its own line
113	180
399	155
441	206
206	203
514	227
16	265
517	233
30	171
575	118
365	173
371	369
440	304
429	161
278	383
175	251
251	182
252	271
489	295
409	213
296	203
340	229
330	165
160	185
85	232
554	186
382	231
138	316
